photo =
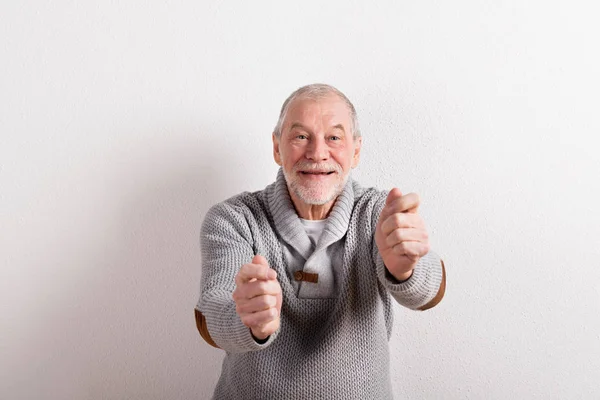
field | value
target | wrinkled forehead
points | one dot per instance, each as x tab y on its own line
330	109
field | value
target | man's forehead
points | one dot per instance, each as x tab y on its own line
330	106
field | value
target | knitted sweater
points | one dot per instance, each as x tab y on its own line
326	348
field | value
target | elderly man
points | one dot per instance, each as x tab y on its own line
297	279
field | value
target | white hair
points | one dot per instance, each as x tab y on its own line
317	91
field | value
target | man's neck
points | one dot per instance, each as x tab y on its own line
311	211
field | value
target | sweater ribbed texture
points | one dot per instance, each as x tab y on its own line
326	348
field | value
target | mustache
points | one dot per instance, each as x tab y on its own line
310	166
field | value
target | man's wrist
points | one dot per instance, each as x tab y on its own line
400	278
258	340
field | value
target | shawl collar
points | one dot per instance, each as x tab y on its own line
287	221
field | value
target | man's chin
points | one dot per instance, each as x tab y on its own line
314	193
315	202
315	199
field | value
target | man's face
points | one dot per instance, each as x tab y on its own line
316	148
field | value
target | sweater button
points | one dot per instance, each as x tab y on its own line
298	275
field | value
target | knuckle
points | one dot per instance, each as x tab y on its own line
390	240
398	219
260	271
241	273
394	238
388	223
261	287
399	235
240	310
426	249
398	249
263	302
247	320
266	330
260	322
418	251
274	287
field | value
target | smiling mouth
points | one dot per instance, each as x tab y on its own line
316	173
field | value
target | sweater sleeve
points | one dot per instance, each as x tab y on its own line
226	244
425	287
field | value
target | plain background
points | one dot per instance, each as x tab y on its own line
123	122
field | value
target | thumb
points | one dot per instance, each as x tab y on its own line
258	259
394	194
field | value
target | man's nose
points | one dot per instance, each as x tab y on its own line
317	149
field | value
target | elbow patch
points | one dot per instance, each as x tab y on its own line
440	294
203	329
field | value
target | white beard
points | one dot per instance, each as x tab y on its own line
316	193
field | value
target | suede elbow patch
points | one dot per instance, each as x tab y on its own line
440	294
203	329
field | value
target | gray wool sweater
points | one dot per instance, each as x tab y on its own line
332	346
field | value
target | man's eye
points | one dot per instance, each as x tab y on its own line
334	138
301	136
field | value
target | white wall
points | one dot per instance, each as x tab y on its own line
122	122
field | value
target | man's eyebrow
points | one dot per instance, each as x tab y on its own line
298	125
340	127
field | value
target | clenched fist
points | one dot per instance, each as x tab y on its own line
400	234
257	297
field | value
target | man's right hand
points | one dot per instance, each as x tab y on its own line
257	297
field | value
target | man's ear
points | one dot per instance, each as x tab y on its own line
357	147
276	154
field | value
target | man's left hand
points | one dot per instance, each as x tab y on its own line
401	235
